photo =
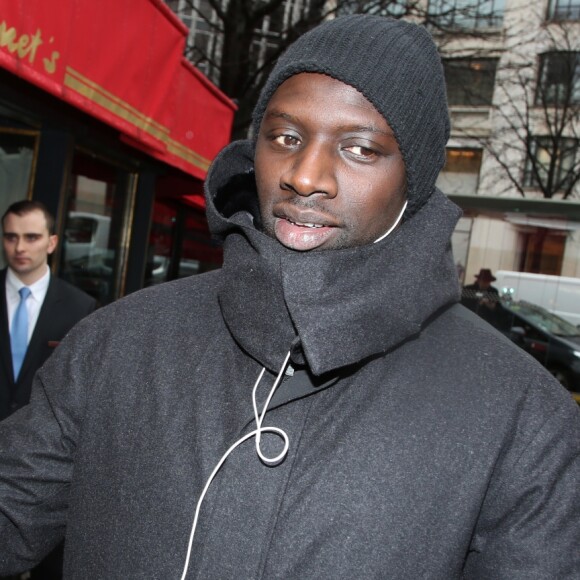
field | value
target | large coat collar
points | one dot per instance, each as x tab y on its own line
340	306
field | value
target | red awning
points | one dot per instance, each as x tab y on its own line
120	61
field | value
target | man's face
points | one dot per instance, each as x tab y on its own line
27	244
329	171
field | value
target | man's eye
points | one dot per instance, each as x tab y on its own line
361	151
286	140
32	237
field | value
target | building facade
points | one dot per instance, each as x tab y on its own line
103	120
513	75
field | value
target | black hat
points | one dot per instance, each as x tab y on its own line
485	275
396	66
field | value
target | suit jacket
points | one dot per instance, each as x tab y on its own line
63	306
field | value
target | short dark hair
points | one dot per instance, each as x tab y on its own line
27	206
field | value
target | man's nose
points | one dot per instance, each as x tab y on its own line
312	171
19	246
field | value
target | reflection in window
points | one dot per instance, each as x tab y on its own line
542	251
93	242
559	82
179	244
551	165
199	252
545	320
160	244
17	150
470	82
467	14
565	10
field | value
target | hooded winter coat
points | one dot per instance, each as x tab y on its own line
421	444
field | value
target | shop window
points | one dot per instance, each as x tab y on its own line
93	252
559	81
179	243
461	171
160	244
17	158
467	14
17	154
199	253
564	10
470	82
551	166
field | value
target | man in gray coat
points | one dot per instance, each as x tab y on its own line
321	407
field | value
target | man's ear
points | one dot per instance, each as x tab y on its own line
52	243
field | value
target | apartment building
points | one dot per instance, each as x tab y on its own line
513	73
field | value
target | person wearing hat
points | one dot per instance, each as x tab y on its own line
321	406
481	297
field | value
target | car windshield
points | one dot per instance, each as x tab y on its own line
543	319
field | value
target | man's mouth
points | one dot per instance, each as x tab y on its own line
302	235
305	224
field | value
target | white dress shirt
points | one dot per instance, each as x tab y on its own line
33	304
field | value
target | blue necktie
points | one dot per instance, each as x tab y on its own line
19	332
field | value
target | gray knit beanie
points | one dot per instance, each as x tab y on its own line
396	66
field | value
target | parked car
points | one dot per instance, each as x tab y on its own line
558	294
550	339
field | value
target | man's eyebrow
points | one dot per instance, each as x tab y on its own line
371	128
367	129
278	114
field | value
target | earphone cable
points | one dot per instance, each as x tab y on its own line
271	461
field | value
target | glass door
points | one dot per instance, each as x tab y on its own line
96	229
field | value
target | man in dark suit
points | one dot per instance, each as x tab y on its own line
50	308
53	306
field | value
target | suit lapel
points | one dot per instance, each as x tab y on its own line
5	352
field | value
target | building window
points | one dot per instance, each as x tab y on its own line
551	166
564	10
470	82
467	14
559	81
461	172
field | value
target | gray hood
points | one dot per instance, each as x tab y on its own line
336	307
